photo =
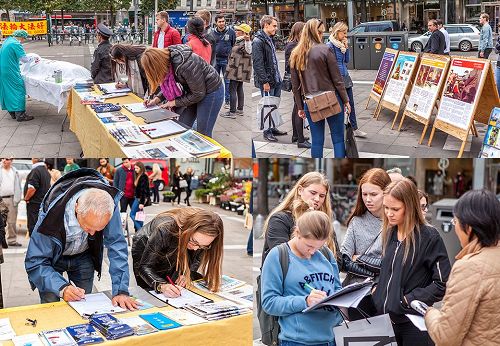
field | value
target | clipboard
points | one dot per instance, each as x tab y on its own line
346	290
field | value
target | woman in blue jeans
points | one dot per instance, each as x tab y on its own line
188	83
314	71
142	193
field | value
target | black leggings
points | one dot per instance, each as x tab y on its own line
236	95
177	191
156	191
409	335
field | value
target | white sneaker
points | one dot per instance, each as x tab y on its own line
359	133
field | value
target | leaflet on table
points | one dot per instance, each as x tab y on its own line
27	339
184	317
141	296
128	134
139	107
113	117
186	298
58	337
218	310
358	286
90	98
227	284
108	88
400	78
139	326
157	150
195	144
110	327
242	295
95	303
160	321
84	334
163	129
460	92
6	330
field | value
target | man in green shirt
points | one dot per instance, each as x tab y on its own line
70	165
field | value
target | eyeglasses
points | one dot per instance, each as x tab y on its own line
202	247
424	207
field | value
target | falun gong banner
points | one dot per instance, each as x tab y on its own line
38	27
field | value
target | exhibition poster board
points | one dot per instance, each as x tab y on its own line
399	84
491	144
427	87
384	71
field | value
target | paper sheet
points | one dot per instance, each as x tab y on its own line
162	129
418	321
139	107
6	330
187	298
349	300
95	303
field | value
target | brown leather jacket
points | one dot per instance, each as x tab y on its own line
469	315
321	74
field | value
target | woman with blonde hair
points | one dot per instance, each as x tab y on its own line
340	47
303	287
156	178
415	265
203	91
179	245
315	71
141	184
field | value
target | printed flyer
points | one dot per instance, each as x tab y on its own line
491	144
400	78
460	92
383	72
425	91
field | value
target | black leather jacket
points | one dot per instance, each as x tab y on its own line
154	253
101	65
142	189
262	60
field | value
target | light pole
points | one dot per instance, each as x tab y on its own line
136	22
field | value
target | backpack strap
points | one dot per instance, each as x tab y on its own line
284	260
326	253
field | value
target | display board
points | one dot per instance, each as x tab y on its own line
491	144
399	84
428	85
469	93
384	71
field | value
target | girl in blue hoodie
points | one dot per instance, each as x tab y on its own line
310	278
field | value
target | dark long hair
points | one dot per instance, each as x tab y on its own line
296	32
128	53
196	27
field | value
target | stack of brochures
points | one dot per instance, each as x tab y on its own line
27	339
242	295
84	334
58	337
163	129
184	317
159	321
139	326
110	327
227	284
217	311
113	117
128	134
195	144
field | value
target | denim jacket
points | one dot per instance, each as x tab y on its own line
486	38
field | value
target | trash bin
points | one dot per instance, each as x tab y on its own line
361	52
442	214
377	49
397	40
350	65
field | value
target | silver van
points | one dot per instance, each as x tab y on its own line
463	37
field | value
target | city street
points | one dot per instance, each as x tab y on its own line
236	263
380	141
42	137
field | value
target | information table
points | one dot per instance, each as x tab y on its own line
230	331
93	135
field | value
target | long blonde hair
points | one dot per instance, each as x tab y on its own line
338	27
406	192
155	63
191	220
309	38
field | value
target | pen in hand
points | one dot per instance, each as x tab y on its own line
172	283
73	284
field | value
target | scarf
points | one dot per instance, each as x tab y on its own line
338	44
169	87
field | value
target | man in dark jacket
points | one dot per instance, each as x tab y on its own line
78	217
36	186
265	66
225	40
101	65
437	41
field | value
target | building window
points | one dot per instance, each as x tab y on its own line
198	3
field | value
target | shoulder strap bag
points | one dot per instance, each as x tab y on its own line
321	106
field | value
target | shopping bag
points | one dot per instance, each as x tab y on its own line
366	332
351	149
140	216
268	114
183	184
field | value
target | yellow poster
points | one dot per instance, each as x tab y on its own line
38	27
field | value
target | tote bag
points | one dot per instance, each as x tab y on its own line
366	332
268	114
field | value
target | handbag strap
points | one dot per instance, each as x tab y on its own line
373	242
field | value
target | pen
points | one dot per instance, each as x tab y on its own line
73	284
309	286
172	283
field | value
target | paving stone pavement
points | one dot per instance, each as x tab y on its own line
43	137
380	141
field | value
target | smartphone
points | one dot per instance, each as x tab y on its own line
419	306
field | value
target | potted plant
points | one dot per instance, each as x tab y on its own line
202	195
168	196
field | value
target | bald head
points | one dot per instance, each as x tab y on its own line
94	210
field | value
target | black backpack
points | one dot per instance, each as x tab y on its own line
269	325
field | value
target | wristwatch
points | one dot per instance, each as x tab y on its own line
158	286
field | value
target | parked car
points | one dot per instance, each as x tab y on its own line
463	37
379	26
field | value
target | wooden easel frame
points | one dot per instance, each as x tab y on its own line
391	106
419	118
487	97
373	95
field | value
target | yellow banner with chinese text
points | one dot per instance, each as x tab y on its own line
38	27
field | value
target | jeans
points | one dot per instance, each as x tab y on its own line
293	343
236	95
336	124
204	112
497	78
126	202
80	270
352	115
250	243
409	335
156	191
220	66
133	211
276	91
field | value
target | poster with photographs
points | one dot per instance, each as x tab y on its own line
383	71
400	78
461	92
491	144
430	76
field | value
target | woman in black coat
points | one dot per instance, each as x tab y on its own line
142	193
176	184
188	176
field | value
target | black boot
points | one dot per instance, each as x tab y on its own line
12	115
22	116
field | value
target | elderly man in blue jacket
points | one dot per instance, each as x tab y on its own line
78	217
